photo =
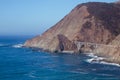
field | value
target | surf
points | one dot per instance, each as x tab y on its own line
99	60
17	45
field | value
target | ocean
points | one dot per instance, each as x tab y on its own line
20	63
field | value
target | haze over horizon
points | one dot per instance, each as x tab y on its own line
33	17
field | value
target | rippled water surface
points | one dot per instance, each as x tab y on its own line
17	63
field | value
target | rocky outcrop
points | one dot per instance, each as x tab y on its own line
89	22
58	43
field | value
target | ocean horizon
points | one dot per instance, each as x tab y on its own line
20	63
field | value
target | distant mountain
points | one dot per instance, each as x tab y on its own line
93	22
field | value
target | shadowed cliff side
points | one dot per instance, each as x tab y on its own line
58	43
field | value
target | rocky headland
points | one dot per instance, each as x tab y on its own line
89	27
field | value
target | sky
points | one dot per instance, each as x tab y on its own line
33	17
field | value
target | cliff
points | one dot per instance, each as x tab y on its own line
92	22
111	51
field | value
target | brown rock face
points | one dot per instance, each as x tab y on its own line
102	25
116	41
65	43
59	43
89	22
111	51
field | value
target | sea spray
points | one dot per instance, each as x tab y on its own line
17	45
99	60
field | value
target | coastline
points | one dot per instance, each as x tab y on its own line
84	30
94	57
100	60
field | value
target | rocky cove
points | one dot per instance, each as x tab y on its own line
92	27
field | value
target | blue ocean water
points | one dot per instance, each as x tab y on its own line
18	63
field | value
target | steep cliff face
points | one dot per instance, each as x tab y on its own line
116	41
58	43
89	22
116	49
111	51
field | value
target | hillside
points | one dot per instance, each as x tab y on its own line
93	22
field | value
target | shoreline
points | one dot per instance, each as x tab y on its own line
95	58
100	60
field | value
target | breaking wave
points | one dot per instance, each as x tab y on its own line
107	63
18	46
99	60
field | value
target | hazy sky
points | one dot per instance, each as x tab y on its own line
32	17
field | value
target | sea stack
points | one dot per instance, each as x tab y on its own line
93	22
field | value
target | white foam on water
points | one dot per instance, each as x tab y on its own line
99	60
95	60
31	74
91	55
107	63
17	45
